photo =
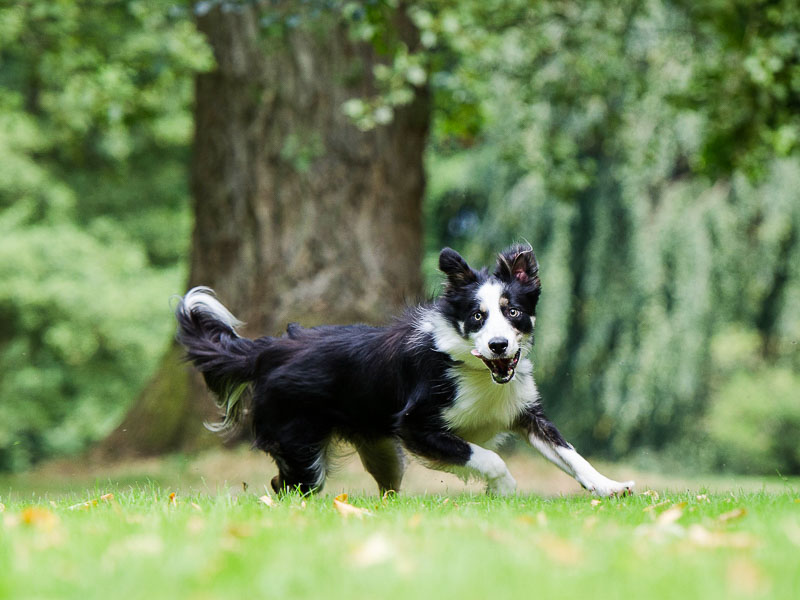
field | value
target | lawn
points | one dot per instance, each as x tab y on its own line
147	540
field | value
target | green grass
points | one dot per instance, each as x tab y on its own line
221	545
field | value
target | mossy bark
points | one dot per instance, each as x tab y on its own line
299	215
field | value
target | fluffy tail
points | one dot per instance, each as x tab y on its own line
207	330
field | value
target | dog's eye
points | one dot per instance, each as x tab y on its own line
513	312
477	316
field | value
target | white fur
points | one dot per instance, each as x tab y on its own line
202	299
496	324
490	467
482	408
572	463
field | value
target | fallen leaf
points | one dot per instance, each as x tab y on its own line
107	497
40	518
745	578
197	507
655	506
672	514
172	500
736	513
239	530
560	550
652	493
83	505
267	499
700	536
348	510
375	550
596	502
525	519
590	523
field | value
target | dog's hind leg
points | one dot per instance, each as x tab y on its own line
302	469
383	459
300	451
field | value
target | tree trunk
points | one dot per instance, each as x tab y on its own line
299	216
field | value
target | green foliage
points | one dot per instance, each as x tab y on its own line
754	413
601	146
94	133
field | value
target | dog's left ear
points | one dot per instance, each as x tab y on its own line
458	272
518	263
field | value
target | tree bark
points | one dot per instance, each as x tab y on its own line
299	215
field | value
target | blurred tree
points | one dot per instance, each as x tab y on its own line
648	157
94	131
300	215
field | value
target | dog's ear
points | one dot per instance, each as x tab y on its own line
458	272
518	263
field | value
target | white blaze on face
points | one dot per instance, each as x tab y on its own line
495	324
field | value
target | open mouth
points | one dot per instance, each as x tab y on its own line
502	368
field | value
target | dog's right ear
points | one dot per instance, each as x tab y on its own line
458	272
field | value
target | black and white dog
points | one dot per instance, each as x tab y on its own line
446	382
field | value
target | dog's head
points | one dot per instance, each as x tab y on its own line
493	314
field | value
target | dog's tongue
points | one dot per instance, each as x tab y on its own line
502	368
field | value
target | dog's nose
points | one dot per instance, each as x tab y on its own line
498	345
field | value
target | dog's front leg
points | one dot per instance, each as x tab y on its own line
544	436
444	450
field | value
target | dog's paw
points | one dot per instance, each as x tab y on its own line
610	488
502	486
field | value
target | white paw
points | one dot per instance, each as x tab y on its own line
608	487
502	486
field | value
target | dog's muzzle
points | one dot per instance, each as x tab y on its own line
502	369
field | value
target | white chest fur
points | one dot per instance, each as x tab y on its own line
482	408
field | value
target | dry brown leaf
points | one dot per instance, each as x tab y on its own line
40	518
172	499
525	519
560	550
341	497
375	550
348	510
736	513
655	506
652	493
746	578
700	536
239	530
267	500
107	497
672	514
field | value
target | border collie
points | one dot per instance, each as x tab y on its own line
446	382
